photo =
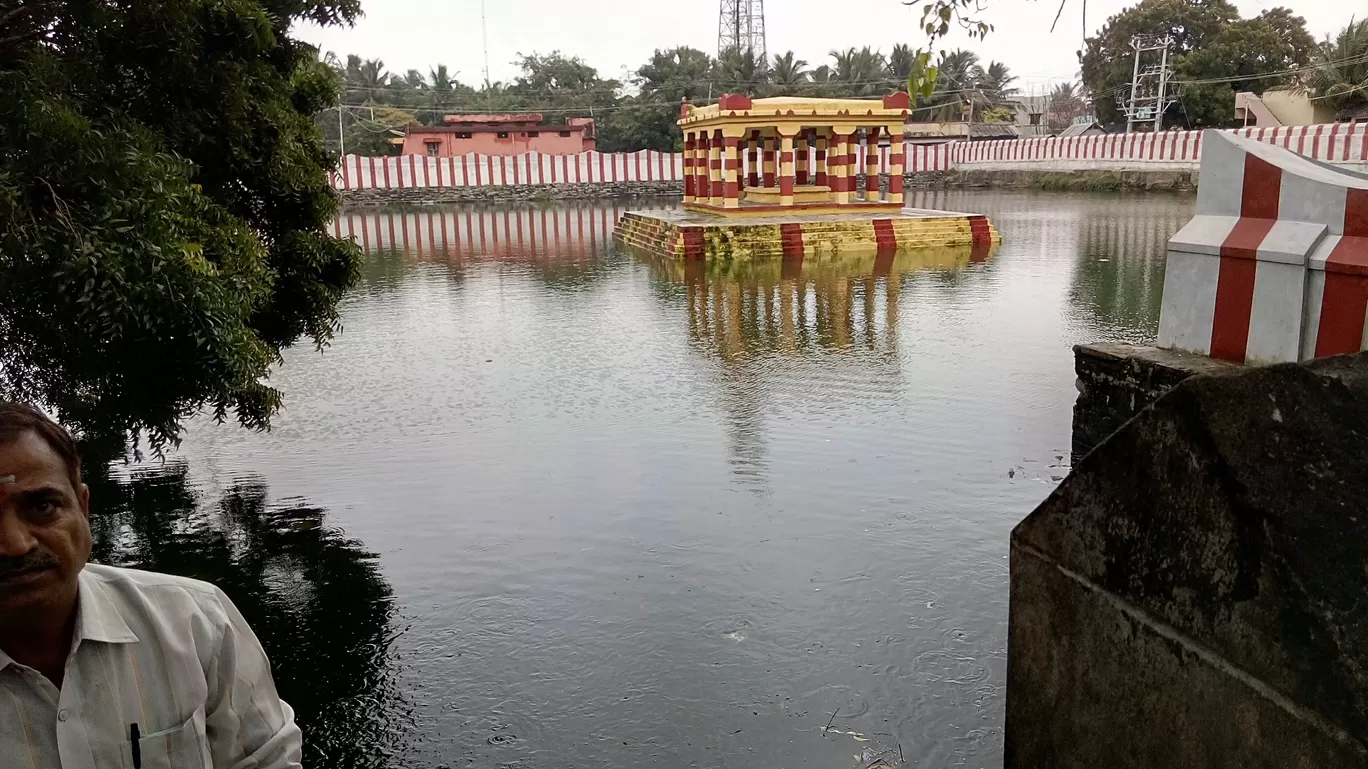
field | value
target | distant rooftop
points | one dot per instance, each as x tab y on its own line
513	117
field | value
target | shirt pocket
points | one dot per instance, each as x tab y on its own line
182	747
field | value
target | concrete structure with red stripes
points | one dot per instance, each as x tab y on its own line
1274	266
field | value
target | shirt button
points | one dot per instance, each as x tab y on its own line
63	714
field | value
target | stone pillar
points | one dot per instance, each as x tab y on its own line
802	148
820	160
715	168
842	180
688	167
786	170
754	149
897	160
768	144
731	172
872	192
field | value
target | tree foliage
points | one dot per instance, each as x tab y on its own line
1215	55
1340	77
640	113
163	190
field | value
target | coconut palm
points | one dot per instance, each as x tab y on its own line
995	83
860	72
901	64
443	91
371	81
737	71
788	75
1340	74
956	85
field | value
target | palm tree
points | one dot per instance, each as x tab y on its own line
443	91
861	72
1340	76
995	83
901	64
738	71
788	75
956	86
1066	103
371	81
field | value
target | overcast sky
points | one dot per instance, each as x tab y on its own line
616	36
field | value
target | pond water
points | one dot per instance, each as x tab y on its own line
546	504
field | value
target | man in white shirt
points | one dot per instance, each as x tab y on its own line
103	667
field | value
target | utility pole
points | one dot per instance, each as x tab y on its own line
341	138
1163	86
484	28
1149	95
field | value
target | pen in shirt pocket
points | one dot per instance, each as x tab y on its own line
134	741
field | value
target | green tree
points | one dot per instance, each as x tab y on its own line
1341	73
1211	43
647	121
788	75
163	188
562	87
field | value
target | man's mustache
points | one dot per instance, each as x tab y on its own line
32	561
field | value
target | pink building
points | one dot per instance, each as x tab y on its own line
500	135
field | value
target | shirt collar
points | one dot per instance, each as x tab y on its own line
97	616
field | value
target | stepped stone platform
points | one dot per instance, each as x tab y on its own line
694	235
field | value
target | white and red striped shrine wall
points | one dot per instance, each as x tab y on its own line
414	171
1340	143
1274	266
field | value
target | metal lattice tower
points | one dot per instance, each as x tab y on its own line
741	27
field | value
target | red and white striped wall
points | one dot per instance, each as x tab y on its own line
1168	150
409	171
1274	266
496	232
1333	143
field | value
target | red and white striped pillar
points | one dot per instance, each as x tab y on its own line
820	159
731	172
688	167
768	146
715	165
800	148
897	161
872	191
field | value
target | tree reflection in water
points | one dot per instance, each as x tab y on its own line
316	599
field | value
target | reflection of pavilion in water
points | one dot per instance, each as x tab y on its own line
505	232
839	314
793	306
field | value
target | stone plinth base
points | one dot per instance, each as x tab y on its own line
694	235
1193	594
1118	381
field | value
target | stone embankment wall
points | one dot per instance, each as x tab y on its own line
1192	595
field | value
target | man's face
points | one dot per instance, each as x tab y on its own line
44	531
